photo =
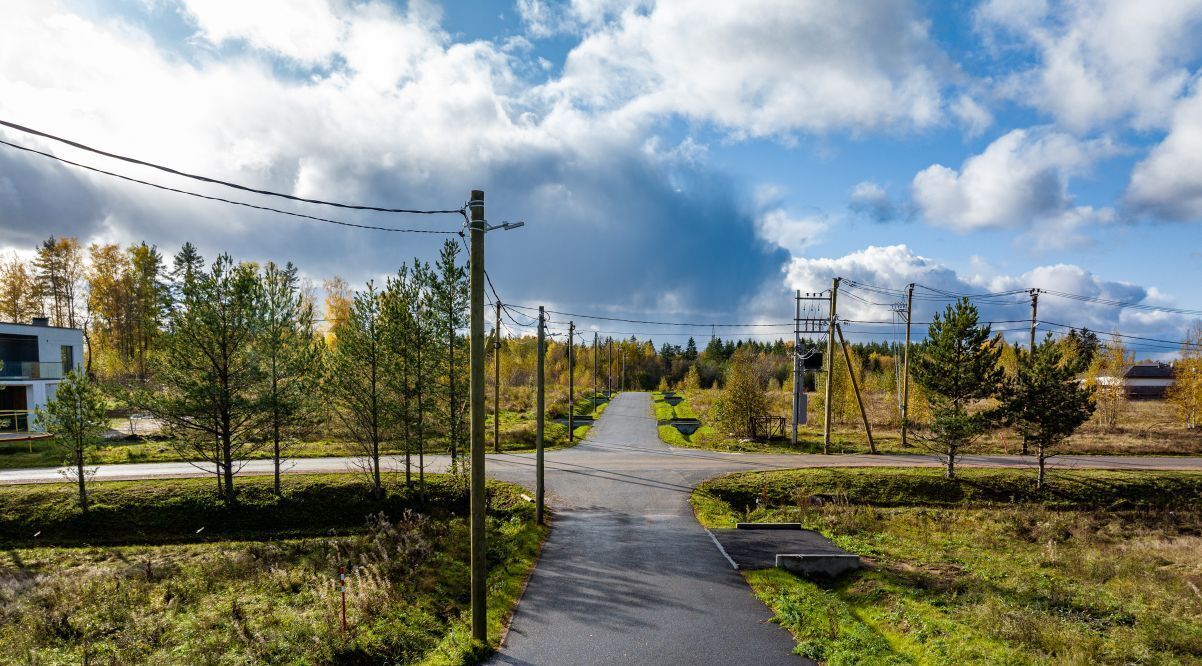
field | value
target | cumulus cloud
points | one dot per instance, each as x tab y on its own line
1168	183
1020	180
1098	61
761	68
870	199
896	266
402	115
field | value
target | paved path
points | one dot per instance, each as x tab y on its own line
627	575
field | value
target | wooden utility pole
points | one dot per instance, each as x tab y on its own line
571	382
496	383
479	564
540	409
1034	314
905	410
856	387
798	382
830	368
594	374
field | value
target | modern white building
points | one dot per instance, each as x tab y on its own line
35	357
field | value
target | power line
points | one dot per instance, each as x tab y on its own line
1178	343
228	201
206	179
657	323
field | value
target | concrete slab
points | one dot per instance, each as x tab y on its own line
818	565
757	549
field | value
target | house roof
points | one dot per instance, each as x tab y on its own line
1149	371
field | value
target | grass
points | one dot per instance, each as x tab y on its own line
518	430
1147	428
136	582
1104	568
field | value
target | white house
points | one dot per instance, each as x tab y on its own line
35	358
1146	380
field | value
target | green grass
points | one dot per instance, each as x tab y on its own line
258	585
518	430
1103	568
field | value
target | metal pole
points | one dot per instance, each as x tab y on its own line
478	563
496	383
540	408
797	380
571	382
830	367
856	387
905	410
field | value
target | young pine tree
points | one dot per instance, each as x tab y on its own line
1043	400
355	378
289	352
76	418
210	393
957	367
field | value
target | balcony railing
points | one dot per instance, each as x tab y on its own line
30	370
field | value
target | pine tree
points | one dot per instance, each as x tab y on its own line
1043	400
289	353
76	418
449	311
355	378
957	367
210	378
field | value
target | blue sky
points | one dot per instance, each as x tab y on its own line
688	160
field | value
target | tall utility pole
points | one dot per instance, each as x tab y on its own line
830	367
798	382
623	368
540	409
905	410
594	373
476	289
496	383
1034	313
571	382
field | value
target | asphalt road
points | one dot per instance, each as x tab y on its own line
627	574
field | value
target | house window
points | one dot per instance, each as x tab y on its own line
67	354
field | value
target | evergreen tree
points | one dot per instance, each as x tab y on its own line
449	310
355	378
211	380
289	353
76	418
1043	400
957	367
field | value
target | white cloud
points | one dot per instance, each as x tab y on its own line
896	266
1099	61
972	116
788	232
762	68
308	31
1020	180
1168	183
402	115
869	198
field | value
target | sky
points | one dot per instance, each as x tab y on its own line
679	161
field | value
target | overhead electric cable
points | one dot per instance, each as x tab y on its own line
228	201
216	181
658	323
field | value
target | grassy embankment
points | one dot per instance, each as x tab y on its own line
517	436
161	571
1102	567
1146	428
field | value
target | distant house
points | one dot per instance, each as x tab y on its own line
1146	380
35	357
